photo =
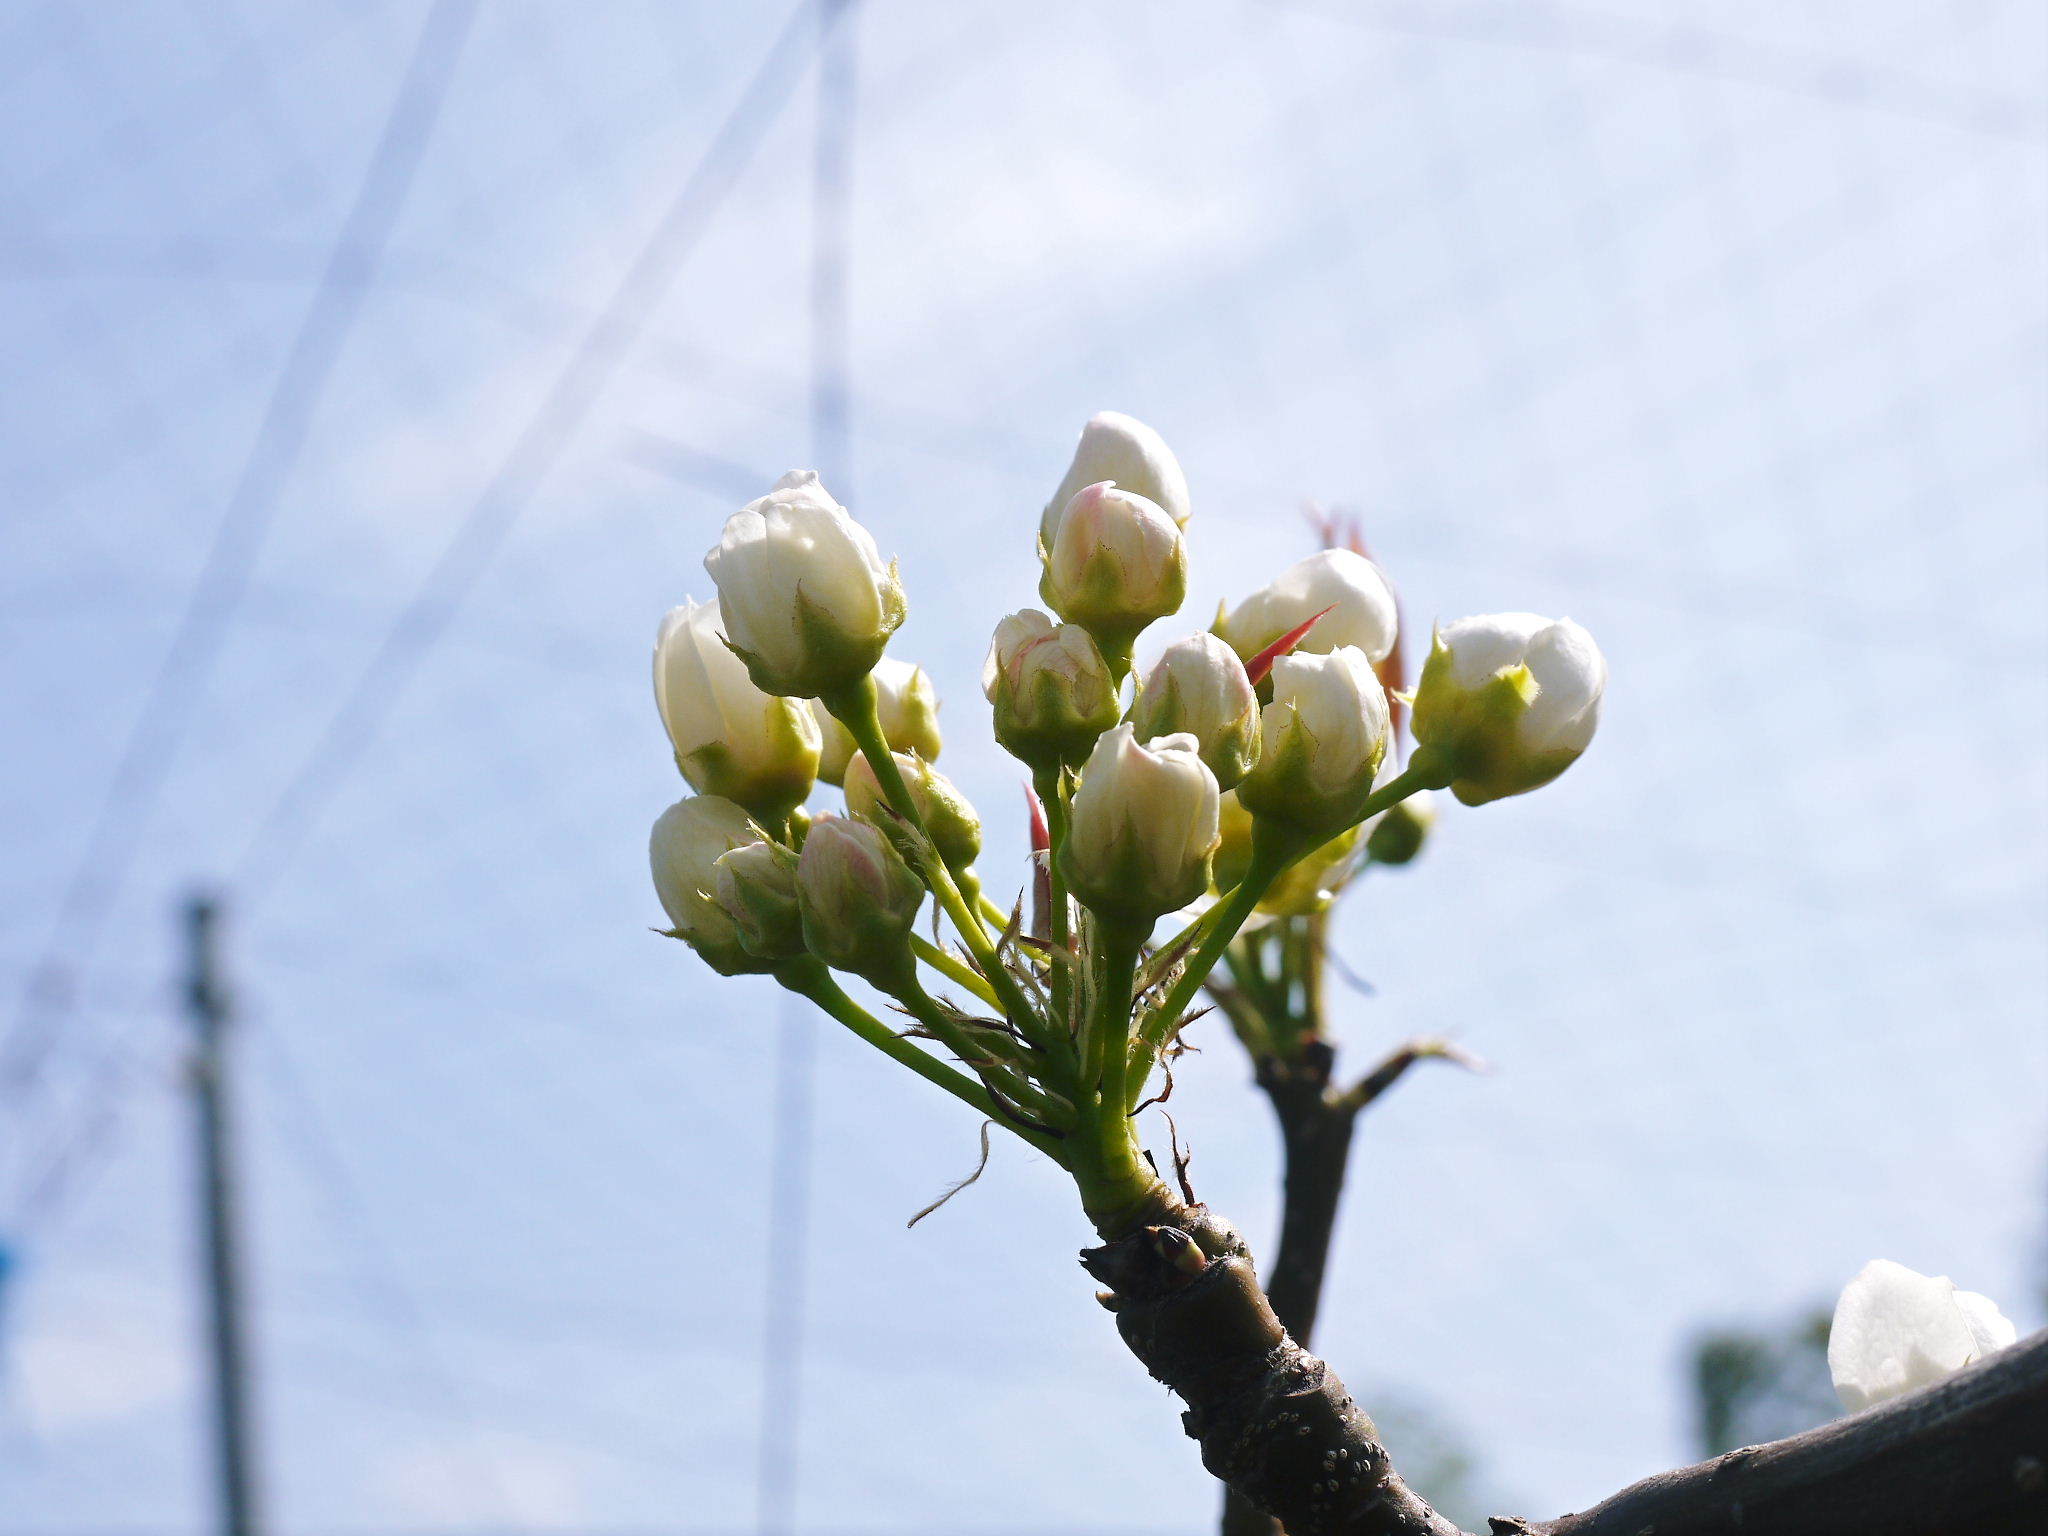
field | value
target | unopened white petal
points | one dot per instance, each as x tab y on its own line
1895	1331
1570	675
1483	645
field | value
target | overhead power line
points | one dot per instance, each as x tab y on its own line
534	453
180	683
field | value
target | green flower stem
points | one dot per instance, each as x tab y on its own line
809	978
985	1058
855	709
1116	652
953	970
992	914
1116	950
1107	1162
1274	848
1049	784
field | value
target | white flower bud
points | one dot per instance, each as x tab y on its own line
1051	689
756	885
1507	702
1125	451
1360	603
730	738
1896	1331
909	707
1199	687
807	600
1116	562
858	899
1144	826
949	818
1323	738
688	840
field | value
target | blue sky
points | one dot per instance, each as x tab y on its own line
1717	328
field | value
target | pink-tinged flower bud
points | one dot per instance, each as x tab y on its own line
1144	826
1507	702
909	707
808	602
730	738
688	840
756	885
1125	451
954	827
1115	563
1356	604
858	899
1323	738
1051	689
1199	687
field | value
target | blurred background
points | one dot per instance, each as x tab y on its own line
377	374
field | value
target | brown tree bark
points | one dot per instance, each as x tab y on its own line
1967	1457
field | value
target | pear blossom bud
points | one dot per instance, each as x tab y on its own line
1323	738
858	899
1144	826
909	707
1051	689
756	885
730	738
1115	563
1361	610
1896	1330
1200	687
808	603
1397	834
689	838
1125	451
949	818
1507	702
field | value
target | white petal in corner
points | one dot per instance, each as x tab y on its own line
1896	1330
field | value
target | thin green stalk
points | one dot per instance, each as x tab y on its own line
953	969
856	710
1117	947
1049	784
1015	1084
1273	850
809	978
1107	1163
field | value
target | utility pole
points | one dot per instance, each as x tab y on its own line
207	1003
789	1194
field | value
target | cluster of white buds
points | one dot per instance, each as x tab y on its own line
1253	765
